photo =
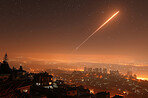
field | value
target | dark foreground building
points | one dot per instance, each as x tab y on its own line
102	95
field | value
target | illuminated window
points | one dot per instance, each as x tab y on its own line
38	84
25	90
50	83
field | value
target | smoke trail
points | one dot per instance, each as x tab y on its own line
97	30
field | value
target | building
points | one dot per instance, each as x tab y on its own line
96	70
104	71
19	74
15	89
24	88
85	69
118	96
129	74
102	95
5	70
89	70
100	70
114	72
71	91
82	91
43	79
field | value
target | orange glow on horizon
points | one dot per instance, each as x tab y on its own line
142	78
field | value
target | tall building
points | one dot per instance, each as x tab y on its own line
135	76
114	72
129	73
85	69
100	70
5	70
4	66
104	70
96	70
89	69
5	58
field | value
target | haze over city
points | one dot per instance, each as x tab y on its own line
41	29
73	49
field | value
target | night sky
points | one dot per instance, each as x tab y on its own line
46	28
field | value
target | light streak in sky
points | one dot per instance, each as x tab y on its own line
97	30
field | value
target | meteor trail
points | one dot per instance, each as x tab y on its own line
97	30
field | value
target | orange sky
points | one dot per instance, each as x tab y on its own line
52	30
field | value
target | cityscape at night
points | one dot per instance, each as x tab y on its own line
73	49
